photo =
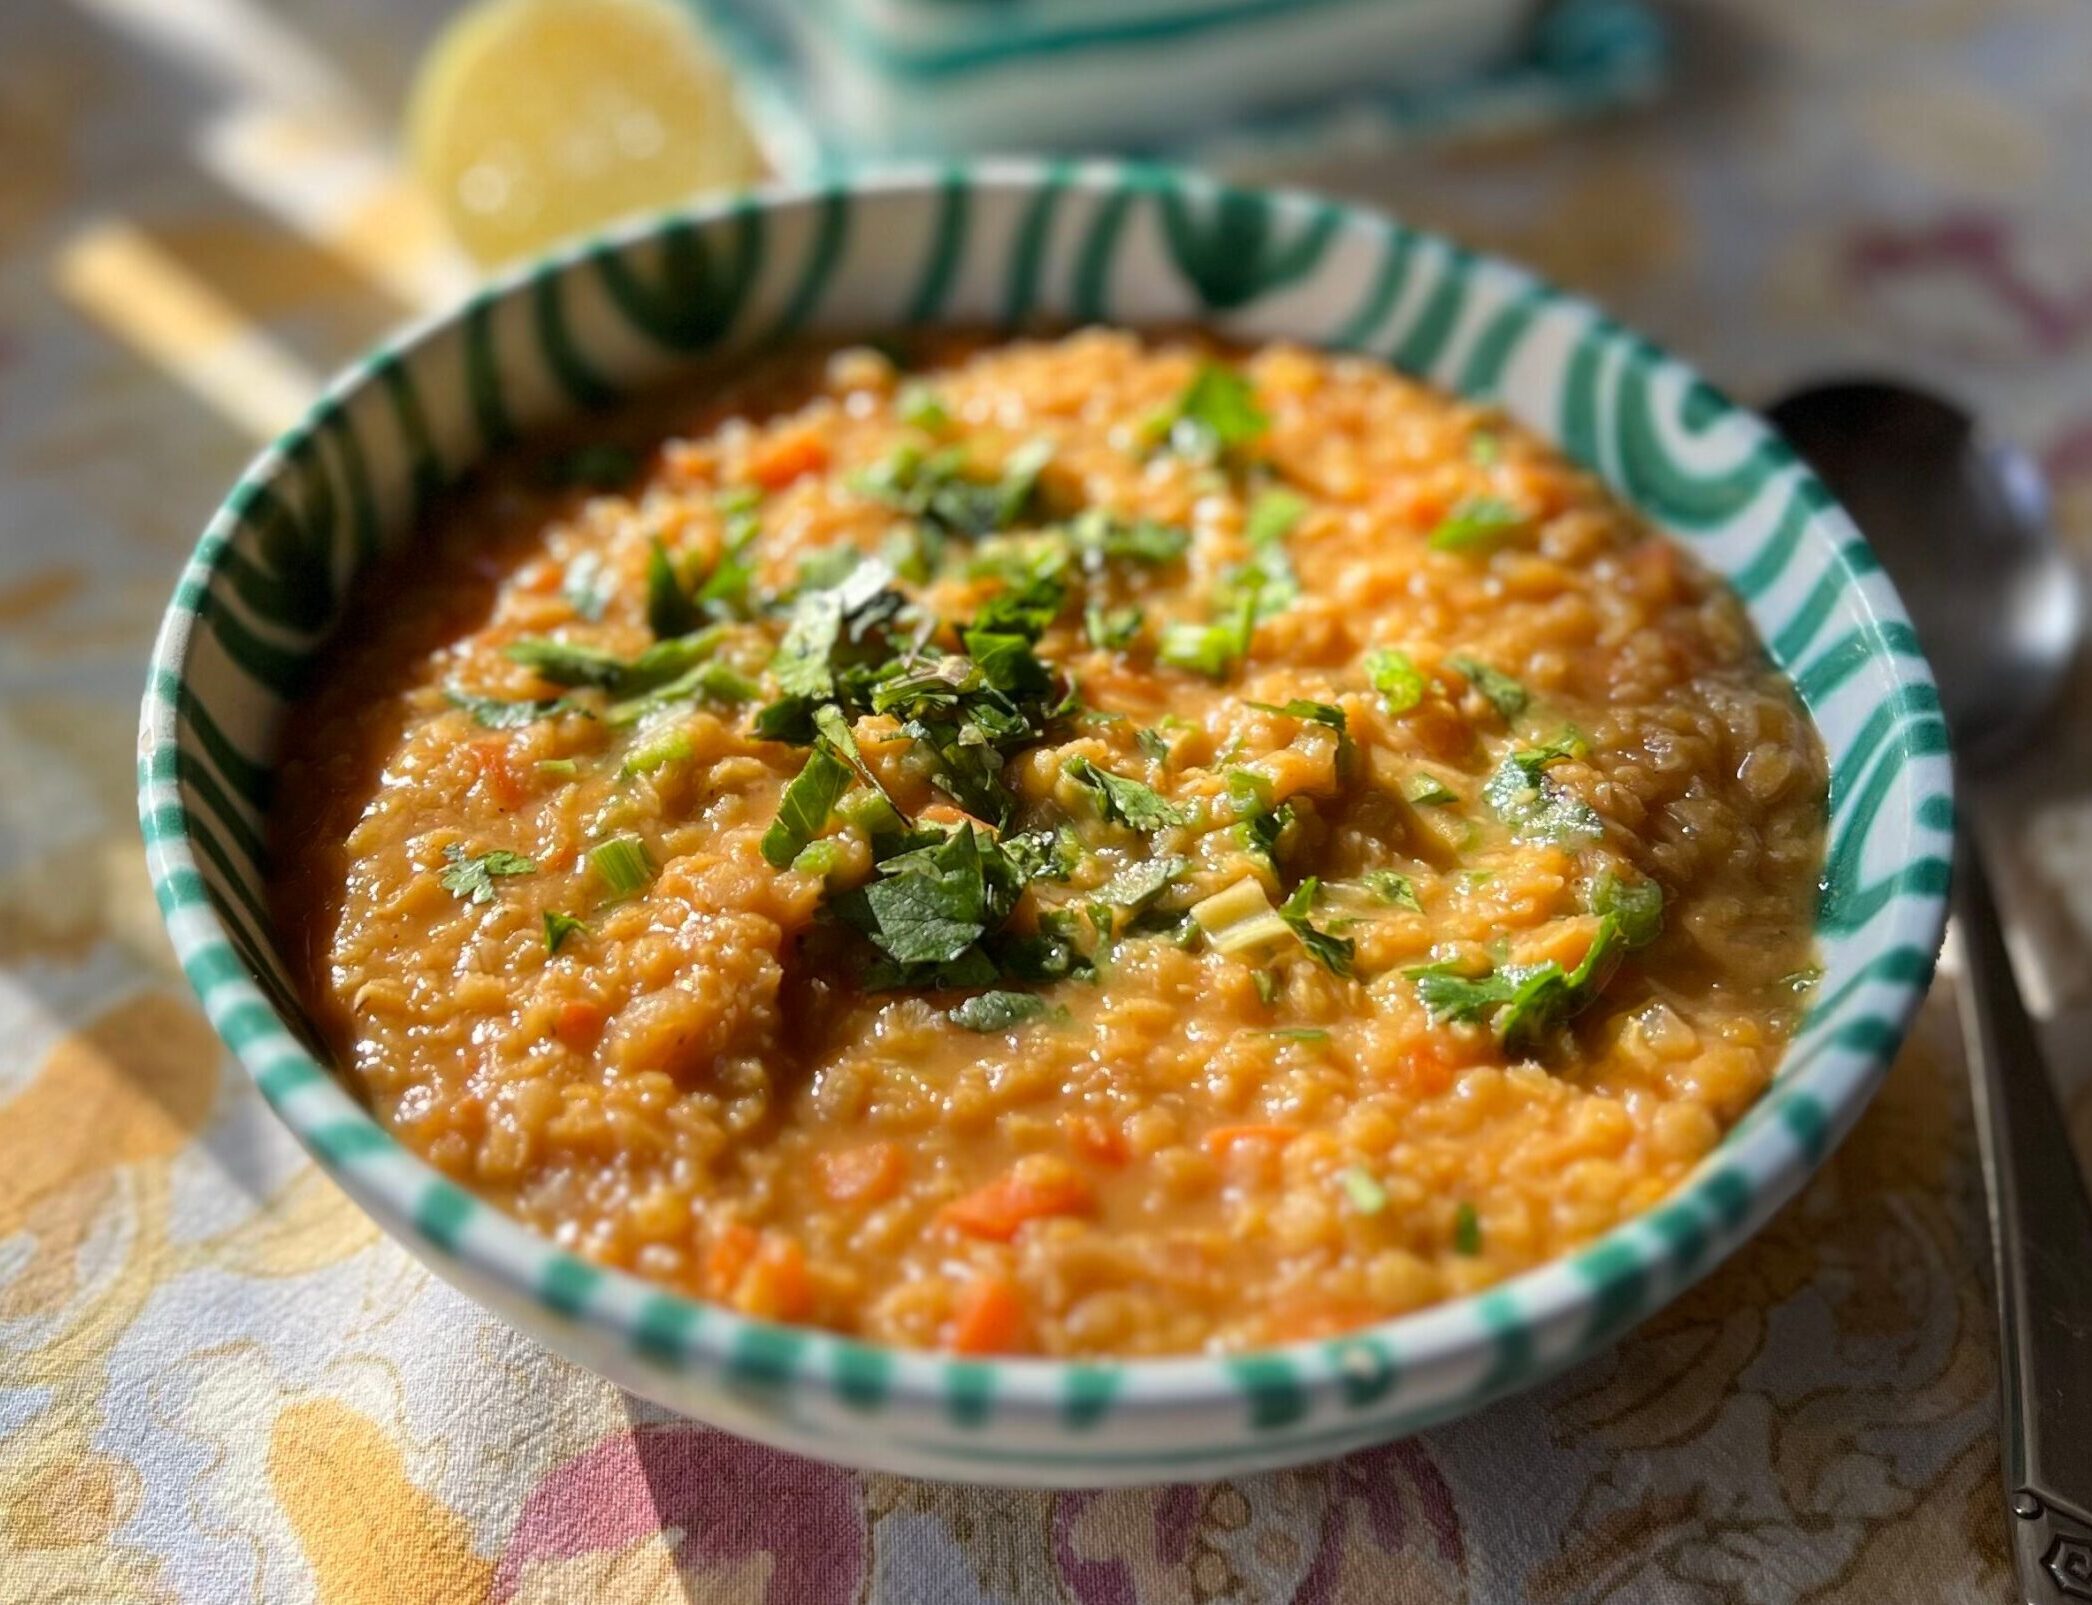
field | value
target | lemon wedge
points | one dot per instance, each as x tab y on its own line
532	120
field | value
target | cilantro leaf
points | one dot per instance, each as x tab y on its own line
1137	806
587	585
930	905
803	810
472	878
1260	832
496	713
670	611
1397	679
1138	885
1302	708
1520	1002
1428	791
1216	414
1109	629
558	927
1504	693
1536	807
997	1011
1636	904
1099	537
1334	953
1477	525
1392	888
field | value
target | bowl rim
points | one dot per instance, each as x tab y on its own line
1773	1149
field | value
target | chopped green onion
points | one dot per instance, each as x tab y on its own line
1507	696
1428	791
1398	680
1392	888
1298	1033
919	407
1477	525
1239	918
558	768
622	864
821	858
1467	1230
657	751
1266	983
1485	448
1368	1197
558	927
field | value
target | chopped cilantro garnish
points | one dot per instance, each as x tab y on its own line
935	487
1636	904
558	927
1428	791
1389	887
1216	414
472	878
702	682
622	864
1266	983
1476	525
1137	806
803	810
738	501
1467	1230
1138	885
670	610
824	623
931	904
570	663
1520	1002
1301	708
1109	629
1505	694
1099	537
997	1011
1367	1196
1536	807
1154	744
1334	953
587	585
495	713
1260	833
1397	679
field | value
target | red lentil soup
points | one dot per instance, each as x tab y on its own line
1107	845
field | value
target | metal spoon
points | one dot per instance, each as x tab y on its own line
1961	524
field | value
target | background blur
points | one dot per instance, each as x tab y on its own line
217	1383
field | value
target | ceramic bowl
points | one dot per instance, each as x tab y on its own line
1014	245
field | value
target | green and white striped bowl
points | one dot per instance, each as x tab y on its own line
1013	245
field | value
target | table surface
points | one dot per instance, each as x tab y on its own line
218	1382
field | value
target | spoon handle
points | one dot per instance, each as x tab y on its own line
2041	1231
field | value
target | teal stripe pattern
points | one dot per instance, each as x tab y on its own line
1015	246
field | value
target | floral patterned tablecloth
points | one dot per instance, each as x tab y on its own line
217	1382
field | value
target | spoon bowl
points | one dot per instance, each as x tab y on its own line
1962	525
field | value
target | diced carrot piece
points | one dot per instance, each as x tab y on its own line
733	1249
503	782
867	1175
578	1024
997	1210
1097	1139
775	1286
778	462
1222	1139
988	1317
